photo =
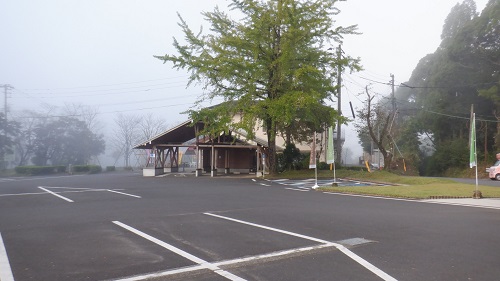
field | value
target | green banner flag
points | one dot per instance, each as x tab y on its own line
329	147
472	158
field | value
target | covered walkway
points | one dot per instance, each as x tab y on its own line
225	153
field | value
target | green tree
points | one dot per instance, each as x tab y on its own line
8	131
273	65
463	71
64	141
290	159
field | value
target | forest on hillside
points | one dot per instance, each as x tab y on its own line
432	110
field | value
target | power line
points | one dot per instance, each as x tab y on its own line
104	92
108	112
106	85
443	114
403	85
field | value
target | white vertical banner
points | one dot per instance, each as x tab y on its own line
312	158
312	162
330	158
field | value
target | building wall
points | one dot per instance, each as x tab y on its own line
239	160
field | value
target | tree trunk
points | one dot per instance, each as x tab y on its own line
497	136
271	141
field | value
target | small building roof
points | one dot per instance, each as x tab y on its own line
179	134
185	132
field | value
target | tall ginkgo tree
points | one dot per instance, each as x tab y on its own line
273	65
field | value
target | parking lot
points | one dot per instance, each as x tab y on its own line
125	227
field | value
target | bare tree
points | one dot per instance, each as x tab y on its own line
30	120
126	134
151	126
25	140
85	113
377	120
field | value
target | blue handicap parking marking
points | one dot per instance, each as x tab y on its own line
309	183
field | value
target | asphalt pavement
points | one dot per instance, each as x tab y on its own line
122	226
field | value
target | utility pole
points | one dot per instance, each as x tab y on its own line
339	107
393	97
6	88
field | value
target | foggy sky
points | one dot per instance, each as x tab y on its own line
100	52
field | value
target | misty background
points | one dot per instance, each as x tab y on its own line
65	58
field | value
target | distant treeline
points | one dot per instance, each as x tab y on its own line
47	170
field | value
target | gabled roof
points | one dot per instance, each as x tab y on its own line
185	132
177	135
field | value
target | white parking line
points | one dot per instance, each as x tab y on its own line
226	262
5	270
123	193
20	194
55	194
340	247
40	178
295	189
371	196
428	201
199	261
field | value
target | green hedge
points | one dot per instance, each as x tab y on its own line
47	170
110	168
39	170
93	169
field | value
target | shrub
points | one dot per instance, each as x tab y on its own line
80	168
110	168
290	159
61	169
323	166
95	169
354	168
92	169
35	170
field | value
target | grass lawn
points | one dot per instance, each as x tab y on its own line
402	186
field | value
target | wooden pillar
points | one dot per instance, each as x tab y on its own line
226	161
199	163
212	161
257	172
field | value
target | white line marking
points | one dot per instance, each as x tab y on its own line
461	204
79	190
42	178
340	247
428	201
263	184
371	196
227	262
1	180
163	273
182	253
5	270
300	187
55	194
59	192
270	228
295	189
274	254
66	187
19	194
124	193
